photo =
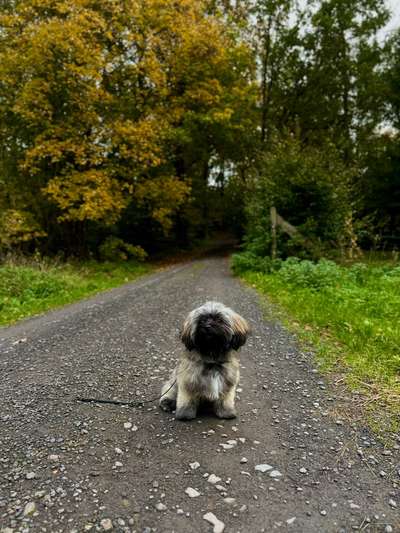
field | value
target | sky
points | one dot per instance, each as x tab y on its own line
394	6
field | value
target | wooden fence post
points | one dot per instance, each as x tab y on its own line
273	232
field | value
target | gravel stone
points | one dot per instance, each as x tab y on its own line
213	520
192	493
29	508
275	474
161	507
227	446
212	478
263	468
106	524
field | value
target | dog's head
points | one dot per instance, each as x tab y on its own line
213	330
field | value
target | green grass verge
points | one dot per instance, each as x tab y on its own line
350	315
34	287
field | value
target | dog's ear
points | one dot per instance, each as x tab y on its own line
240	331
186	336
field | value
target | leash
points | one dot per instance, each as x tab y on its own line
137	404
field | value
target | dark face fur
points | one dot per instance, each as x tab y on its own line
212	337
213	330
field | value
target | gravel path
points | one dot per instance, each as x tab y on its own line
286	464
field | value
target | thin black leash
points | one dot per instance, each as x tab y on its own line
128	404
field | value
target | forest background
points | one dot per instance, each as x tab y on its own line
133	127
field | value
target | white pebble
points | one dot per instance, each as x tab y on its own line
29	508
106	524
213	520
275	474
212	478
161	507
226	446
263	468
195	465
192	493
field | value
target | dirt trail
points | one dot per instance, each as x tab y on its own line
70	467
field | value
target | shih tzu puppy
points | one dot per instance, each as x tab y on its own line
209	367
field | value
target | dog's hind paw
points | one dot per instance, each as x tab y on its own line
168	404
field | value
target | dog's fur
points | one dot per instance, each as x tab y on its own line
209	367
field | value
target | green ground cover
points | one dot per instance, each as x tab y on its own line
350	315
31	287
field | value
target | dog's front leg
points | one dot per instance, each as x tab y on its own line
169	393
225	407
186	405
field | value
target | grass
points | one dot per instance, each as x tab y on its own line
349	314
32	287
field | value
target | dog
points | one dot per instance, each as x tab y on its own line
209	367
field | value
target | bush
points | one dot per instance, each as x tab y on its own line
115	249
305	273
309	188
293	271
249	261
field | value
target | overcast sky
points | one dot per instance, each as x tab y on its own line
394	6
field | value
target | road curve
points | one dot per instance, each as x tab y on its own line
71	467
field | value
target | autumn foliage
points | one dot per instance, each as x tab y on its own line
109	111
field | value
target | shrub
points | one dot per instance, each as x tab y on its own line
114	249
246	261
309	188
305	273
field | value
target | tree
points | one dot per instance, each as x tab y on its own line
98	98
321	97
